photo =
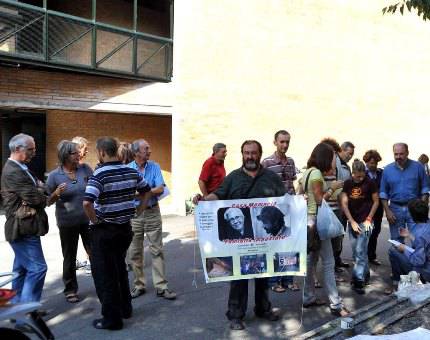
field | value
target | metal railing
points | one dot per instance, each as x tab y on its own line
39	36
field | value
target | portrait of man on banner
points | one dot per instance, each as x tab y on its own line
234	224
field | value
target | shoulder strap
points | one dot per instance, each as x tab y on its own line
307	180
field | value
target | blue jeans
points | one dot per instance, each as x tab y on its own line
359	245
403	220
30	263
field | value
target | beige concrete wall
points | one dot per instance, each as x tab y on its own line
246	68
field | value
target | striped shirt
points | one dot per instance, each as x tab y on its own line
112	188
284	168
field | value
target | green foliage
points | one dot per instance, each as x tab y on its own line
421	6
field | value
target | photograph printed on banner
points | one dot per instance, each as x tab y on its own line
253	264
219	266
286	262
270	221
234	224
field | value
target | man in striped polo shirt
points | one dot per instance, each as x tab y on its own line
285	168
109	205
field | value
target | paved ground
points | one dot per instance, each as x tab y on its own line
198	312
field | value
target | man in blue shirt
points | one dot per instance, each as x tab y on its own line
148	222
403	260
402	181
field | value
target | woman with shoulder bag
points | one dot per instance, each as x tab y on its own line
320	163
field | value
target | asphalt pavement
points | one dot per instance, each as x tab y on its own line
199	310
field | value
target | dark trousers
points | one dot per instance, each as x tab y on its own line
238	298
109	244
337	242
373	240
69	237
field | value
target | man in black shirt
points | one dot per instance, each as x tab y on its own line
249	181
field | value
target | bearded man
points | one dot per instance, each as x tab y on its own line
251	180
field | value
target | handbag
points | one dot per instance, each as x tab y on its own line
25	220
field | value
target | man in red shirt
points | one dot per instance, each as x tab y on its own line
213	171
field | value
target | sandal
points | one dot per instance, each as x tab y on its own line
340	312
318	284
72	298
315	303
278	289
293	287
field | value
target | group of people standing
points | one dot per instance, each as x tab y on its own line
111	208
358	197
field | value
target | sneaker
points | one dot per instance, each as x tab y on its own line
87	269
166	293
236	325
81	264
136	292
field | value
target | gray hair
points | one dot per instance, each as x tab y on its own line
65	149
232	210
217	147
81	141
346	145
19	141
135	146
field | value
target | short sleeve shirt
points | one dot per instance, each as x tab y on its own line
360	198
212	174
284	168
68	208
315	176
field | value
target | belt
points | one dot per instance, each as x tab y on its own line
152	206
401	204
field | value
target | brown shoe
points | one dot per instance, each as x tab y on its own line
166	293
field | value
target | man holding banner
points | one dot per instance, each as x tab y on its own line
249	181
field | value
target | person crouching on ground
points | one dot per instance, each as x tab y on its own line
402	260
359	201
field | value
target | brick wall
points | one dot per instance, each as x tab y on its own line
68	124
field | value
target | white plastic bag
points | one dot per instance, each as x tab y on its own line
328	225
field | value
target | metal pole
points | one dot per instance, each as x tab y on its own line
134	53
94	36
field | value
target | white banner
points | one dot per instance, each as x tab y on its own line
249	238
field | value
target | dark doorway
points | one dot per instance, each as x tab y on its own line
32	123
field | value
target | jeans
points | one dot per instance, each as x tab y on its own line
403	220
30	263
359	244
69	237
238	298
326	253
373	240
109	244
